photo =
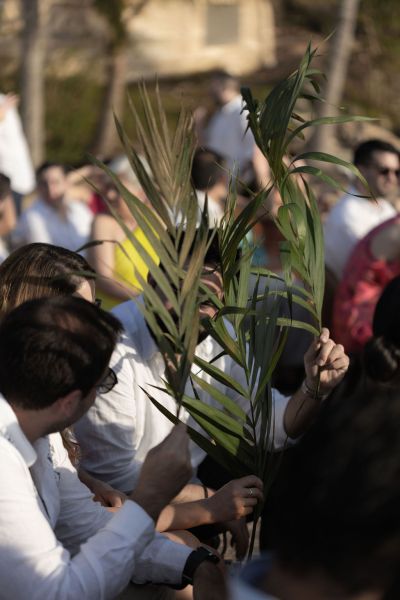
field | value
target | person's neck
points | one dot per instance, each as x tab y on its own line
59	207
286	585
32	423
362	191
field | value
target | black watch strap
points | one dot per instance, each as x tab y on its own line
194	560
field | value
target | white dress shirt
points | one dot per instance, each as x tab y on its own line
15	159
121	427
42	223
349	221
227	134
55	542
215	211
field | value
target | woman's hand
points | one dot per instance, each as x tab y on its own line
236	499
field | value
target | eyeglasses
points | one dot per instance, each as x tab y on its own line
108	382
386	170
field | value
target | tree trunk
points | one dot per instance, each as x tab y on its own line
106	140
32	75
340	50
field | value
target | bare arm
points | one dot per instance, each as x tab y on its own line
191	492
102	257
234	500
165	471
102	492
8	217
327	360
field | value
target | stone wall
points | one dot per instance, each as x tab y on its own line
167	37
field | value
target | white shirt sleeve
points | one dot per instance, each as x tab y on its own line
278	439
106	433
34	563
161	561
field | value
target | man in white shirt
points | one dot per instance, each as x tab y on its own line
226	131
53	218
118	431
353	217
55	542
15	159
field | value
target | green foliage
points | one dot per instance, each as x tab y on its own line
171	228
249	330
69	132
275	124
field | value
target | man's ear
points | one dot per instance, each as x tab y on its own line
68	404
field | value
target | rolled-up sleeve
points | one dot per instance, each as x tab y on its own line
34	563
162	561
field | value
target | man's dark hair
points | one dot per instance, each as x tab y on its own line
363	153
52	346
48	165
207	168
5	186
336	504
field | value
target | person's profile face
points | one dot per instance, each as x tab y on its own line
52	185
382	174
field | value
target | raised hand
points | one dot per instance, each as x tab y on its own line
165	471
327	359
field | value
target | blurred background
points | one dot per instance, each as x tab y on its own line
73	61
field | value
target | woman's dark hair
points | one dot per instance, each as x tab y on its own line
335	508
41	270
382	351
52	346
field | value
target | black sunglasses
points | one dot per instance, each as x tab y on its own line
385	171
108	382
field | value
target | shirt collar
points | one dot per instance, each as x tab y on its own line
11	430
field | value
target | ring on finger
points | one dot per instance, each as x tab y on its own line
250	492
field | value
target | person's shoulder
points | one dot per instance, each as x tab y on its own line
79	209
10	458
38	207
346	207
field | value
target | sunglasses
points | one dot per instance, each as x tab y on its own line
385	171
108	382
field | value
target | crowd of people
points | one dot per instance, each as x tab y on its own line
101	495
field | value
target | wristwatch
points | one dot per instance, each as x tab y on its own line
194	560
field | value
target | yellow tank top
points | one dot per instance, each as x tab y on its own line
128	263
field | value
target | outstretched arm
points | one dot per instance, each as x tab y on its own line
234	500
329	362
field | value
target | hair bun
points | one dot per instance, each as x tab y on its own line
381	359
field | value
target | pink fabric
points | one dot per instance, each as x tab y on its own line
363	281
